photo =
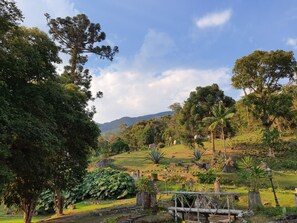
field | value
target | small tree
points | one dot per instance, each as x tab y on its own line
219	120
251	174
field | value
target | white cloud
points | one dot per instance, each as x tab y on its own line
130	93
214	19
292	42
156	46
145	84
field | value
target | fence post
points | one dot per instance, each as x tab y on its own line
175	204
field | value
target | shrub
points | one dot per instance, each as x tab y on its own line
145	185
119	146
156	156
207	177
108	184
99	184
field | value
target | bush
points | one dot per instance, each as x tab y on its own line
108	184
119	146
99	184
207	177
146	185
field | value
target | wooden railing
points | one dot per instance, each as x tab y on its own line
188	204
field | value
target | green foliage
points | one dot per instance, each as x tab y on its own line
10	15
207	177
261	73
77	36
246	162
45	203
108	184
243	120
145	132
100	184
197	107
276	212
119	146
221	115
271	138
251	174
197	154
146	185
155	155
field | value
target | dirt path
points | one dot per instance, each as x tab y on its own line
99	215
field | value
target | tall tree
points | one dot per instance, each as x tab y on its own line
260	75
26	67
219	119
198	106
78	37
10	15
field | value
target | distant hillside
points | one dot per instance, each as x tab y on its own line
114	125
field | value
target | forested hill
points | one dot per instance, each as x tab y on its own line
114	125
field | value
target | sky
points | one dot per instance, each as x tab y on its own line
169	47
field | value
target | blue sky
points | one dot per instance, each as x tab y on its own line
169	47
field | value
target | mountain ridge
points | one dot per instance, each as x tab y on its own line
113	126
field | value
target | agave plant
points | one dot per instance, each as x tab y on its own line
247	162
197	154
156	156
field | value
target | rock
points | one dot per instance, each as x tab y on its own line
229	168
103	163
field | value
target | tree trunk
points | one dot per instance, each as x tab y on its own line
59	202
147	200
212	141
217	186
254	200
28	209
225	150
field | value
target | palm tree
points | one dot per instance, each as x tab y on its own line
219	120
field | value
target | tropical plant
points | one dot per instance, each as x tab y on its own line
219	120
246	162
251	175
197	154
108	184
155	155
